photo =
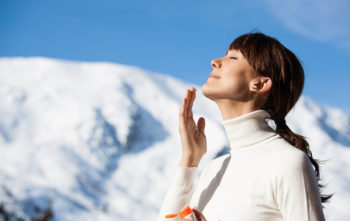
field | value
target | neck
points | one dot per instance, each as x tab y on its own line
231	109
248	129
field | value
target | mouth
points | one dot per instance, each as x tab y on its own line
212	75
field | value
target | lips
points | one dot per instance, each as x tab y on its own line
212	75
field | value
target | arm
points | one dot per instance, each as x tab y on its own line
194	146
179	193
297	193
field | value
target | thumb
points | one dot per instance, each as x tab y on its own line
201	125
199	215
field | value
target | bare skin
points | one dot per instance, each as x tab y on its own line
235	88
193	139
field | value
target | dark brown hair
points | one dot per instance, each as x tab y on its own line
271	59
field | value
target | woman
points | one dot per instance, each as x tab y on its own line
268	174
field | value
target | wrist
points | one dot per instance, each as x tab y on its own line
188	161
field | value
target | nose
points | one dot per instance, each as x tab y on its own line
215	63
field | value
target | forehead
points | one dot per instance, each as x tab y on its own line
233	51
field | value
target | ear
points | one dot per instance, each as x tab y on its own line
260	85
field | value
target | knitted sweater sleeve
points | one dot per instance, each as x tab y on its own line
179	193
297	192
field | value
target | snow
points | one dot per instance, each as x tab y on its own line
99	141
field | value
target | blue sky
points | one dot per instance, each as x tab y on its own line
181	37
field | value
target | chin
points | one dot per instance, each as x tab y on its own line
207	91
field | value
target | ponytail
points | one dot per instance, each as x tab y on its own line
299	142
271	59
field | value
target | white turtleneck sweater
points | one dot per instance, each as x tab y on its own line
263	178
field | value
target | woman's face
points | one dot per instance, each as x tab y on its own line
229	78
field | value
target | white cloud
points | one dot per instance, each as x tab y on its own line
322	20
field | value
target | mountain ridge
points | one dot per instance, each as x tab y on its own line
99	141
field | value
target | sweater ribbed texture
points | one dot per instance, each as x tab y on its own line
263	178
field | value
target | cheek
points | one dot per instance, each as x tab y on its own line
236	84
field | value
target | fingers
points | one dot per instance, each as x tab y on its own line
183	109
199	215
190	102
186	105
201	125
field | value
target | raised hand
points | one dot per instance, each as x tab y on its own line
193	139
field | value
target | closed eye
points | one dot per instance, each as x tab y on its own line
233	58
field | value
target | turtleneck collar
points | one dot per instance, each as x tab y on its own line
248	129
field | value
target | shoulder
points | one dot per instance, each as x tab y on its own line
287	157
281	149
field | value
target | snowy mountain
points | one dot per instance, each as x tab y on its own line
99	141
